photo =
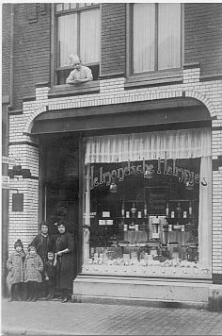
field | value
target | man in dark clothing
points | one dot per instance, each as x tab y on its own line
43	244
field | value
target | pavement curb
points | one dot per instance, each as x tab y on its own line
21	331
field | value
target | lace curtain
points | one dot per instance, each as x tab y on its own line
89	36
67	36
169	36
156	43
176	144
143	37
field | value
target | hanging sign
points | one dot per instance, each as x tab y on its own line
8	160
5	182
17	202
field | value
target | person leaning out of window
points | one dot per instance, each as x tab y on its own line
80	74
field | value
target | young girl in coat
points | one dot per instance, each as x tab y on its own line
15	266
33	269
50	275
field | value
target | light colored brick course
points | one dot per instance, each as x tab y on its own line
112	91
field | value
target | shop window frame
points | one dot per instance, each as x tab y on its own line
156	77
87	268
60	73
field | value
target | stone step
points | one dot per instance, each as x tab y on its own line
144	292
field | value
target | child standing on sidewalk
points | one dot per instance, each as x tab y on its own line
43	243
33	269
50	275
15	266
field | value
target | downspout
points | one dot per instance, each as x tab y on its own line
5	152
53	56
12	58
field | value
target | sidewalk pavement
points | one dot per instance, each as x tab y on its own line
56	318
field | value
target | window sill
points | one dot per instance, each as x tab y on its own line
72	90
154	79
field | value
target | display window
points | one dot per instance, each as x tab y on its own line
147	204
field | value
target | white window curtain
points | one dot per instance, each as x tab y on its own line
156	39
169	36
175	144
67	36
143	37
178	144
90	36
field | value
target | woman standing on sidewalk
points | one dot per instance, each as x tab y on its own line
64	248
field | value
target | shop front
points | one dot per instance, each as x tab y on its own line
147	217
145	198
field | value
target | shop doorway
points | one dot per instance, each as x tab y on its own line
59	185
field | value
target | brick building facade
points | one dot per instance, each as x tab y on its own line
44	114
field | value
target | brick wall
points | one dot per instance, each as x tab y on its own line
113	44
112	92
203	36
23	225
31	49
6	44
203	33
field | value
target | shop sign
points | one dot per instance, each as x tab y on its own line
157	199
5	182
8	160
90	215
17	202
163	167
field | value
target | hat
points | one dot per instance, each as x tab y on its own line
51	252
62	222
18	243
43	223
73	59
31	246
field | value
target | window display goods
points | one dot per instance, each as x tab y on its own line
144	204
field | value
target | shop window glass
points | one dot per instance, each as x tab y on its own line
146	204
78	33
156	37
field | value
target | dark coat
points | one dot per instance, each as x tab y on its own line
43	245
65	263
33	268
50	272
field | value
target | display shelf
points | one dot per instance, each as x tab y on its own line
131	217
150	270
182	200
153	233
133	245
176	219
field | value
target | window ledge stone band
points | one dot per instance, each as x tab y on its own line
71	90
154	79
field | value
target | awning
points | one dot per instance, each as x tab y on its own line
163	113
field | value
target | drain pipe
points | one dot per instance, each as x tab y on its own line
12	57
5	152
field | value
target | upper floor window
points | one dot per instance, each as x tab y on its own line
156	37
78	27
